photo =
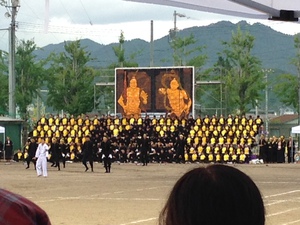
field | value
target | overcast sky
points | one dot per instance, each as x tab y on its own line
103	20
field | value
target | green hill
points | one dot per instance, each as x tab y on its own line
274	49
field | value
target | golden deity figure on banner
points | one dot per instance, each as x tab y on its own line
132	98
176	99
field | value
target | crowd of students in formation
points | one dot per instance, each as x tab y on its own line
157	139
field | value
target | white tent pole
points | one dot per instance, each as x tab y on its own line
292	150
4	147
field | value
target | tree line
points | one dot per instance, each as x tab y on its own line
70	80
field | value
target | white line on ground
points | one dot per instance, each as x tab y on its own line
140	221
281	201
98	198
292	222
280	194
282	212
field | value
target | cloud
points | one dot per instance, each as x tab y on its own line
102	21
99	12
74	19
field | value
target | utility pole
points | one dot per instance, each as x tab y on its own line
173	32
267	107
175	14
267	72
12	53
151	44
121	41
175	17
298	100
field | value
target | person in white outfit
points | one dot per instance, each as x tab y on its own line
41	156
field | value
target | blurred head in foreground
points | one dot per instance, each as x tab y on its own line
15	209
214	195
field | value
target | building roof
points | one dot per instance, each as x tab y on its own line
288	118
9	119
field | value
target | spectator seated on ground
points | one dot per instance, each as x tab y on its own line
18	156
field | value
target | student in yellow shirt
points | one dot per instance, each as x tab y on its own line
79	120
222	120
57	120
64	120
234	157
186	157
18	156
242	158
218	158
43	120
194	156
202	157
217	149
226	157
206	120
229	120
72	120
199	120
247	152
51	120
224	149
35	133
211	157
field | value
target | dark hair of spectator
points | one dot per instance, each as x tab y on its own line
214	195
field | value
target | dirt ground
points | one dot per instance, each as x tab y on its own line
133	194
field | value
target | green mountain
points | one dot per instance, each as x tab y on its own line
274	49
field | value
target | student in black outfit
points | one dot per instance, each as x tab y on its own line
106	154
31	153
8	148
123	153
144	147
87	151
291	150
1	146
274	149
263	148
64	151
55	153
179	148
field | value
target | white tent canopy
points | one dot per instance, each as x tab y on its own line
296	130
2	130
259	9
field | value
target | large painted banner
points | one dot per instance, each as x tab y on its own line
167	90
